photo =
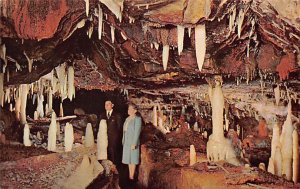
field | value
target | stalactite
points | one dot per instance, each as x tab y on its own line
189	31
100	21
69	137
24	93
87	7
156	45
52	133
114	7
40	105
112	33
71	87
90	31
79	25
89	136
26	140
62	77
29	61
61	110
180	38
165	56
240	21
200	40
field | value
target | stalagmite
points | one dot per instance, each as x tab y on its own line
277	94
102	140
154	121
200	40
286	140
193	155
180	38
156	45
52	133
89	136
1	89
295	156
24	93
262	166
112	33
278	162
218	147
35	115
114	7
271	168
100	22
90	31
30	62
165	56
26	140
61	110
240	21
71	87
87	7
69	137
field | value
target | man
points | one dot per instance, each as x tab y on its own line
114	132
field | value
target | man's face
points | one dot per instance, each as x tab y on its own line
108	105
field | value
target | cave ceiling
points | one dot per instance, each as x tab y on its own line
243	38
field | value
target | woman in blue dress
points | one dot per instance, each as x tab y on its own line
131	140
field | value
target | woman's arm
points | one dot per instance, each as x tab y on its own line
137	131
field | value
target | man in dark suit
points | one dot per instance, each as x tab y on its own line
114	132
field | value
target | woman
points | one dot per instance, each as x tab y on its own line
131	140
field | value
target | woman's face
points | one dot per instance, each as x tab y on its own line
131	111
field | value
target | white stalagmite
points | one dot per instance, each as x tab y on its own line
30	62
52	133
35	115
1	89
165	56
69	137
240	21
275	140
112	33
286	140
100	21
87	7
180	38
193	155
154	121
218	147
71	87
89	136
295	156
200	40
271	168
278	162
24	93
277	94
102	140
26	140
61	110
115	6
